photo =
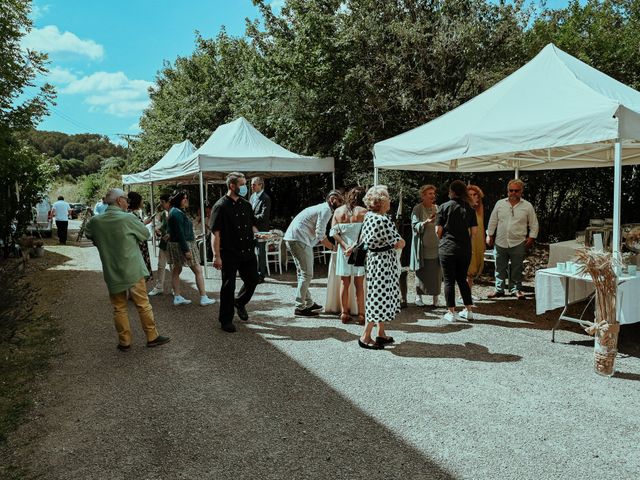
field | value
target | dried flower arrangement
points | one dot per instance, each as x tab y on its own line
601	267
633	236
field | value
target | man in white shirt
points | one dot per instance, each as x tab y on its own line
307	230
100	207
513	227
60	211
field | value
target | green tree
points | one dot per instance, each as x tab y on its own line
23	173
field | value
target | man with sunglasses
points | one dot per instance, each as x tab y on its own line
513	227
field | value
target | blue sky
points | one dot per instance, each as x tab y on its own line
105	53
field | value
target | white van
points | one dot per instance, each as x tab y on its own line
42	220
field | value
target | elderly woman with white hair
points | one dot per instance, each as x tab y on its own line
382	302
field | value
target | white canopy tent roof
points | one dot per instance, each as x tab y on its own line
236	146
170	164
555	112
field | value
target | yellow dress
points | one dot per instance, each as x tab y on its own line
477	249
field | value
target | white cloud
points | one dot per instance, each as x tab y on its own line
39	11
61	76
50	40
113	93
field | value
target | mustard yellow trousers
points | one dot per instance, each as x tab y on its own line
138	294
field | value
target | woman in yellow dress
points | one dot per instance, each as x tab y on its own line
477	241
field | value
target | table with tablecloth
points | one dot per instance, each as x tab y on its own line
555	289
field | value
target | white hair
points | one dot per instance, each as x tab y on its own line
112	196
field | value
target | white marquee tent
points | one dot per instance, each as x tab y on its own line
170	164
234	146
555	112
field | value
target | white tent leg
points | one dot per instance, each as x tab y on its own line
517	172
375	176
333	180
617	197
153	223
204	227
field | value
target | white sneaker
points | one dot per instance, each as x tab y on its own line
204	301
154	292
180	300
450	316
466	315
419	302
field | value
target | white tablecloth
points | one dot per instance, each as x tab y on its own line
550	293
562	252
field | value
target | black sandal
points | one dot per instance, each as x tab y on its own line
370	346
384	340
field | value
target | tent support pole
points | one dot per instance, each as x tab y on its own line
375	176
333	180
204	227
517	173
617	197
153	223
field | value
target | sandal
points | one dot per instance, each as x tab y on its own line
345	318
384	340
360	319
370	346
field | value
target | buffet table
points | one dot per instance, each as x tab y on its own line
555	289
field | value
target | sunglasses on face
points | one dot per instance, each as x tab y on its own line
513	190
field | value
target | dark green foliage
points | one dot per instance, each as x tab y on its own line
23	173
333	77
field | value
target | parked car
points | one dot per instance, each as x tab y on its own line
42	220
76	209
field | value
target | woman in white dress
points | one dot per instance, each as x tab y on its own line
345	229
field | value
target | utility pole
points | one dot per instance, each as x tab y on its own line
128	138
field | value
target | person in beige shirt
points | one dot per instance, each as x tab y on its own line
512	228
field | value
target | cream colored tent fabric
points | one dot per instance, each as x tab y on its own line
234	146
170	163
555	112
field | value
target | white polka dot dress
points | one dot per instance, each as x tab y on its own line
382	271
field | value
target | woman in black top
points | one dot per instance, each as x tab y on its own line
456	224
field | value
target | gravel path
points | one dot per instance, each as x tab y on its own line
296	398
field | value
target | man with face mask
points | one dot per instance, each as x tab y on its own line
308	229
233	226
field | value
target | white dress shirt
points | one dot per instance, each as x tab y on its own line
310	225
512	223
61	211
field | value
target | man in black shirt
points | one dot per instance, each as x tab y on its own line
233	225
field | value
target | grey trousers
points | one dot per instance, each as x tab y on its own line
303	258
515	255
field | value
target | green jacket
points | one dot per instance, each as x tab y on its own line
116	234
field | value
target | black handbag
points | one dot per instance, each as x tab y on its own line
358	254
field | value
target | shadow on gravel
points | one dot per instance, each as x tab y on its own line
206	405
469	351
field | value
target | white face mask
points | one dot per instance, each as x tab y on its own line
242	190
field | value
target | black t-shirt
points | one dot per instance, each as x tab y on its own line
235	221
456	218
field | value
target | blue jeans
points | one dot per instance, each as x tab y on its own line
504	256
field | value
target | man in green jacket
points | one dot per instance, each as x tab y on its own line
116	233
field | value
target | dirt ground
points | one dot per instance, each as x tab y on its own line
287	397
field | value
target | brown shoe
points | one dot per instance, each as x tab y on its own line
520	295
495	294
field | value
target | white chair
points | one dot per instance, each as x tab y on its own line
319	253
274	251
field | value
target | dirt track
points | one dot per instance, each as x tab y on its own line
286	398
